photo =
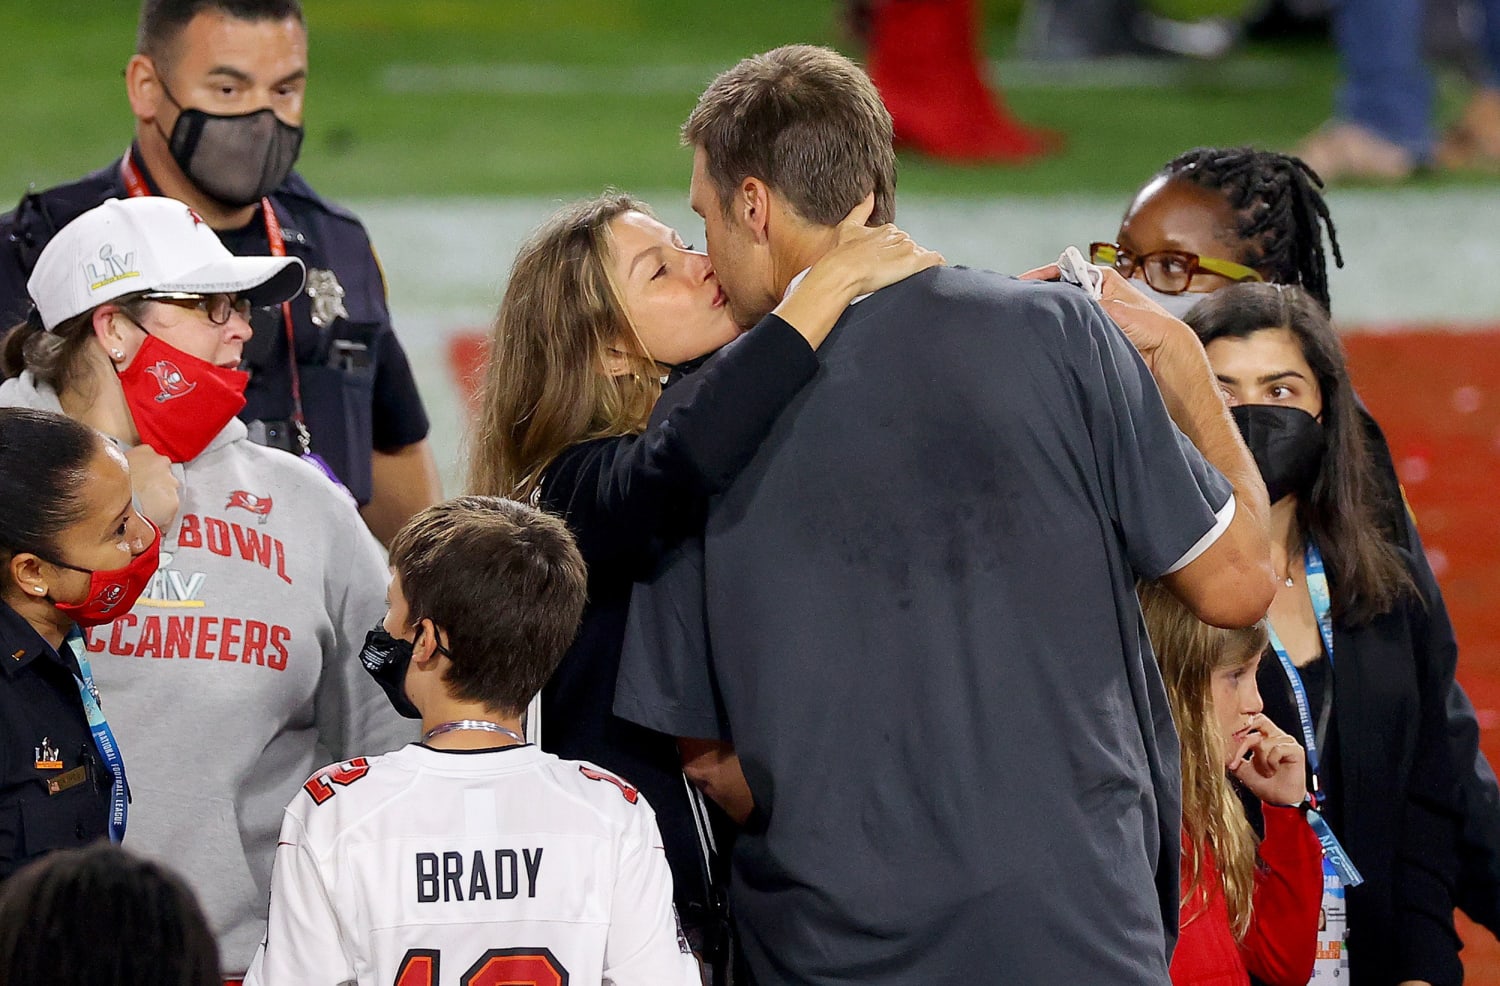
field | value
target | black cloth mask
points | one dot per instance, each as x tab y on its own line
237	159
1287	443
386	658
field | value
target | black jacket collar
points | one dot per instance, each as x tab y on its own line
20	644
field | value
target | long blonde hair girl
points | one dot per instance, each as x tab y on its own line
1189	652
546	387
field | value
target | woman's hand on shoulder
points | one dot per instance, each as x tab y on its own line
868	258
862	259
1271	764
157	493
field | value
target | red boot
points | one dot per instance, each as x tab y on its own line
924	59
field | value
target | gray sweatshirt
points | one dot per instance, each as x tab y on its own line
237	672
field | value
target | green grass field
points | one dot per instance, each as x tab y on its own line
561	97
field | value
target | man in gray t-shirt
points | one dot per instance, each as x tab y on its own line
913	614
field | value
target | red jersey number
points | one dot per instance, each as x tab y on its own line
320	785
419	967
497	967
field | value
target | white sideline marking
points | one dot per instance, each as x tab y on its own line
1413	256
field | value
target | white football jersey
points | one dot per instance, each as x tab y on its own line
439	868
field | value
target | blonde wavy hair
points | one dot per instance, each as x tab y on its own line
1189	651
546	387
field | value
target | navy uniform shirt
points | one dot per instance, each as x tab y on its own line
916	606
45	743
358	393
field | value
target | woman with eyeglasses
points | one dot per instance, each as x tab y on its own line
1234	214
75	554
1214	217
234	675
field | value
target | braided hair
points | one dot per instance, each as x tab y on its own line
1278	205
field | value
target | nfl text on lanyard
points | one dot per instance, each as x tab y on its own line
104	739
135	184
1317	588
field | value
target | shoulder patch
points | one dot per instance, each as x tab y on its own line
630	794
320	785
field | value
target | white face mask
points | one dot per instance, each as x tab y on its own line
1177	305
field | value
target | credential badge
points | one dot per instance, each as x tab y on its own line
327	296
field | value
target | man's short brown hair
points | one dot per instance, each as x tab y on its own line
504	582
805	120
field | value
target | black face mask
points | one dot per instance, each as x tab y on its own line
233	159
1287	443
386	658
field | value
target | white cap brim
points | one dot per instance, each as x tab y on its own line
263	281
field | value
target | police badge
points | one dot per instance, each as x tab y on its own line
327	296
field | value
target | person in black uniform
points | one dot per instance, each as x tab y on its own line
217	88
75	554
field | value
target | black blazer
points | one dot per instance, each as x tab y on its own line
1397	806
625	499
1478	891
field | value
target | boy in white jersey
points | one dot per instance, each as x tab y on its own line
472	858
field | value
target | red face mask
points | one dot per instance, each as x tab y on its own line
113	591
178	401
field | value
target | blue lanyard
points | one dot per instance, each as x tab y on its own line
1335	858
104	740
1317	589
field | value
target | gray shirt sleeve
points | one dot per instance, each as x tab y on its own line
666	678
1162	494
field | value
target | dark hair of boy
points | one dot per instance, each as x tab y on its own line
505	585
1279	211
162	20
808	122
44	459
101	915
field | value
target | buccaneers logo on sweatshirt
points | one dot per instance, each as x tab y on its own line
260	505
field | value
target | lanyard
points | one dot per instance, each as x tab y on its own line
104	739
135	184
1335	857
1317	589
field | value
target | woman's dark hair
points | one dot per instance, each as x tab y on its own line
1341	513
44	459
1278	207
101	915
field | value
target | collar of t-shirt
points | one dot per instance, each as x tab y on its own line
798	280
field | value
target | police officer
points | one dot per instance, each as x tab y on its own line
217	90
73	553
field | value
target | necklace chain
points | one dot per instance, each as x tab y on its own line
1291	563
478	725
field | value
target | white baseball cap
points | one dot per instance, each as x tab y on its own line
150	243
